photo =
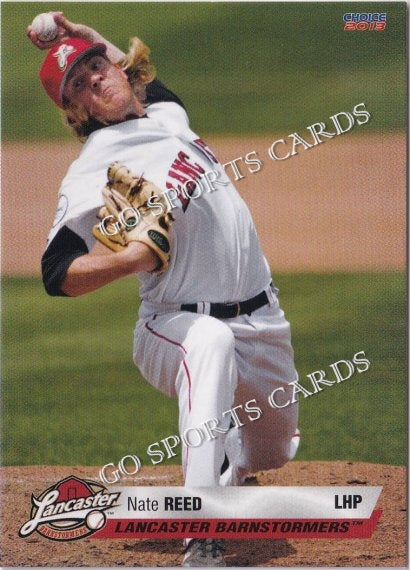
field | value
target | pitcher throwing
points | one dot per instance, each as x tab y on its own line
210	331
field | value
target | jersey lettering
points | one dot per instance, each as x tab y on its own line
204	148
182	164
186	172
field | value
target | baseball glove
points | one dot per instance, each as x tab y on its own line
134	210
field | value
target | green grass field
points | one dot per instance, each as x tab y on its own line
71	394
293	62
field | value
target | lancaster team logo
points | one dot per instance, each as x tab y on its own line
71	509
62	55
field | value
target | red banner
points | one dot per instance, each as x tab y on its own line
239	528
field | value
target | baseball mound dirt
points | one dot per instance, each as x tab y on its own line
387	547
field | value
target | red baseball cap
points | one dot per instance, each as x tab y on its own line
59	62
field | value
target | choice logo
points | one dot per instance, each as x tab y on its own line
374	21
71	509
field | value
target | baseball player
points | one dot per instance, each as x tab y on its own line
210	331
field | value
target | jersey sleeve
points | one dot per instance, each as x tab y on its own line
156	92
65	246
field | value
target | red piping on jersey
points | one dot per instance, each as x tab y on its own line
151	330
183	362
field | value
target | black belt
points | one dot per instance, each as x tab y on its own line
229	310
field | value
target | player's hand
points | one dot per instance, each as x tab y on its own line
66	30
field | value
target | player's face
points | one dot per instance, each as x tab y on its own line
103	89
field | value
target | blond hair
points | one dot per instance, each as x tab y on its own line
137	66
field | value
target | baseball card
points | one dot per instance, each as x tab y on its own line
204	284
